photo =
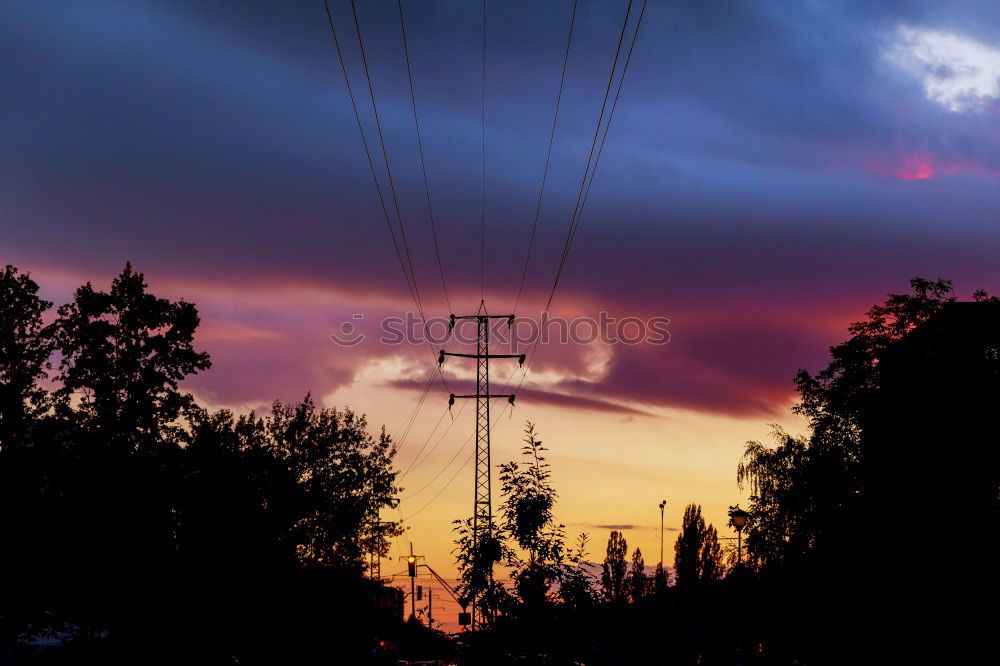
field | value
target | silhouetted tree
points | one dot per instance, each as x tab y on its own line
239	503
576	587
805	490
638	582
614	583
25	347
531	543
475	562
345	477
660	581
833	398
778	477
697	553
807	493
711	565
124	505
28	492
527	515
123	354
687	548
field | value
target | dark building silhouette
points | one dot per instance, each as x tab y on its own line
931	454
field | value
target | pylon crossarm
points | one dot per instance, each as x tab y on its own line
485	396
480	357
483	355
482	316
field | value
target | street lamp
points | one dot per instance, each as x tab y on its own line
662	505
739	519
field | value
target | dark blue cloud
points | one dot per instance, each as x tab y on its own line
755	156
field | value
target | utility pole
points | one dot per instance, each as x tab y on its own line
430	608
411	565
482	511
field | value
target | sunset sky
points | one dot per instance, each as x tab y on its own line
773	169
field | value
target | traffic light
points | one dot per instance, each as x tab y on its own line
411	565
420	592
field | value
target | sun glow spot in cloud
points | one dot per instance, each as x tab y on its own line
957	72
914	168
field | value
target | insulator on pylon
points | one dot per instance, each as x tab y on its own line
510	321
451	323
441	358
511	400
451	401
520	359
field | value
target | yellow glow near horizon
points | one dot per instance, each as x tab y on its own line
611	471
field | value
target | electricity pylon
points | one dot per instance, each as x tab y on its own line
482	511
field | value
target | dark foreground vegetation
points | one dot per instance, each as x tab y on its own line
140	527
843	559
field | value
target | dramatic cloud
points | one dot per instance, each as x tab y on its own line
757	189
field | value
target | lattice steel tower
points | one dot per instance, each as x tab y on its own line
482	511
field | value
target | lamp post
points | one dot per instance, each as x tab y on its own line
739	519
662	505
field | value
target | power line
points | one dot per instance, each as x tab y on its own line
457	472
417	460
444	487
411	280
482	215
582	197
611	115
583	183
410	277
464	444
593	144
416	411
437	425
588	182
548	157
385	155
440	471
371	163
409	417
420	150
